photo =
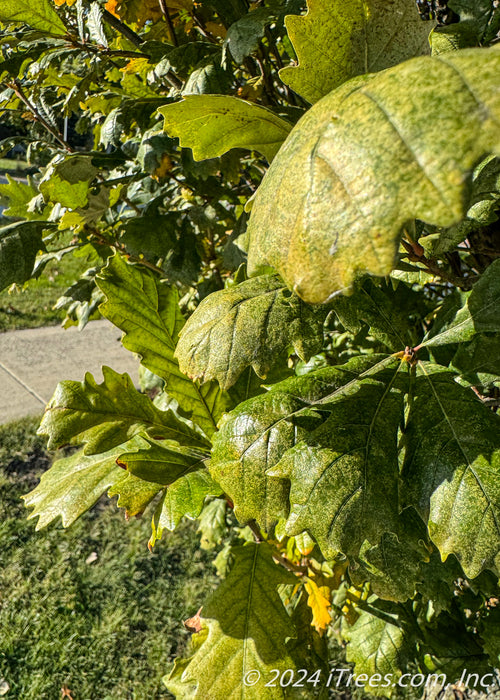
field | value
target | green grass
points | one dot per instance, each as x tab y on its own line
108	630
32	307
11	165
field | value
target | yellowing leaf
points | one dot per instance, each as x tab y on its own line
111	7
375	153
320	604
212	124
136	66
339	39
135	11
164	168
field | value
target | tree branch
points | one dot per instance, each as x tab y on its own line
14	85
168	19
122	28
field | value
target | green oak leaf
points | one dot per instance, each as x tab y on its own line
248	628
184	498
344	472
393	566
452	468
212	524
379	645
480	18
162	462
73	485
243	36
482	209
19	244
340	39
479	313
299	423
248	324
147	311
478	362
359	165
38	14
212	124
389	313
18	195
134	494
437	581
67	181
105	415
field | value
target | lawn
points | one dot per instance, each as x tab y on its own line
88	608
32	306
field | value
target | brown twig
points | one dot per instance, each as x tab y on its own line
15	85
256	531
416	254
122	28
294	568
168	19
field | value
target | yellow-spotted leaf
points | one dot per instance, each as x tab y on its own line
370	156
339	39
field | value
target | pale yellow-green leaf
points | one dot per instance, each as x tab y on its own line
339	39
73	485
212	124
370	156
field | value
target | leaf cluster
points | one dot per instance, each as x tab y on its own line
290	210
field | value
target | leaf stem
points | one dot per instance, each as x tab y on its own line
252	524
15	85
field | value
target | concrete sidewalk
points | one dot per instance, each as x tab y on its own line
32	362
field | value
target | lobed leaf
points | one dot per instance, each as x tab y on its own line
105	415
379	646
478	362
39	14
389	313
320	604
184	498
18	195
212	524
339	39
359	165
162	462
243	36
480	312
452	467
72	486
134	494
393	567
299	431
19	245
67	181
148	313
249	324
344	472
248	628
212	124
